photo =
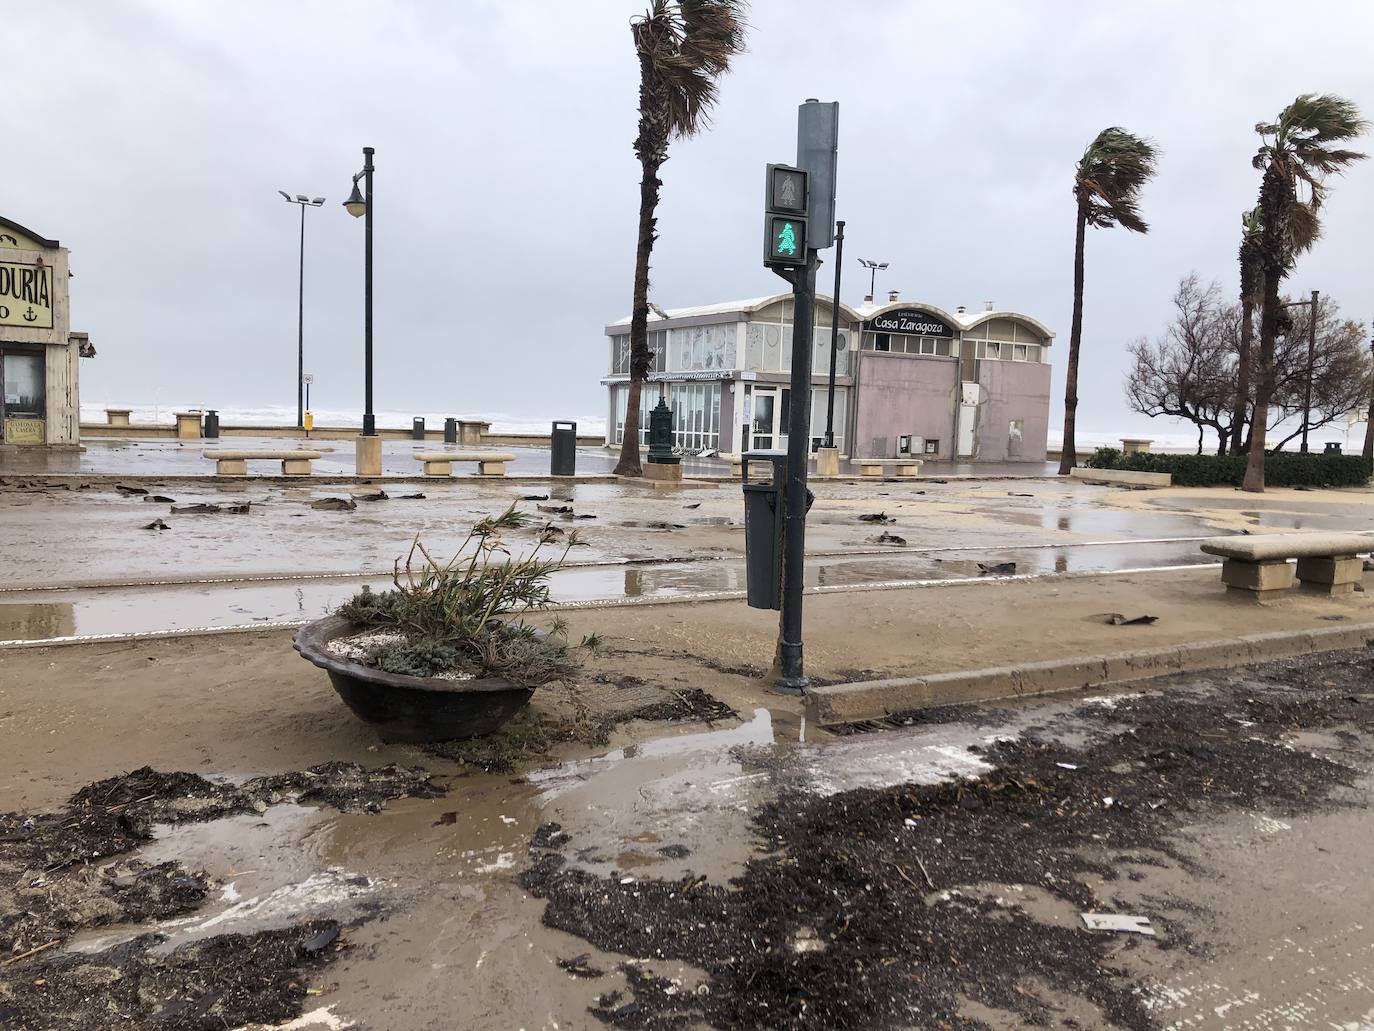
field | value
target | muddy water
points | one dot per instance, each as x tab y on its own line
44	615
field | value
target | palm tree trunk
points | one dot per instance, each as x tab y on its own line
1264	386
1069	455
641	361
1247	337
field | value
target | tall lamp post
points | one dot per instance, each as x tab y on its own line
874	267
359	205
304	202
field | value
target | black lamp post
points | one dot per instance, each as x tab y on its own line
304	202
361	205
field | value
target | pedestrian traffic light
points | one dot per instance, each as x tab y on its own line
785	201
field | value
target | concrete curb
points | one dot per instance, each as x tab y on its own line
877	699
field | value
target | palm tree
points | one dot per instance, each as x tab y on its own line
684	47
1107	185
1300	148
1250	290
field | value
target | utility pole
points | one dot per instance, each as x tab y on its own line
1311	364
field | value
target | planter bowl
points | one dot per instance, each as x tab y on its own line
405	708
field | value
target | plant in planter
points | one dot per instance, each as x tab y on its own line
445	653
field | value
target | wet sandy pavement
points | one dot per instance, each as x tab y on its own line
285	561
444	936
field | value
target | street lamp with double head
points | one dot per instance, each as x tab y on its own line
304	202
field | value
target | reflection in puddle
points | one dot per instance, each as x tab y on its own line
36	621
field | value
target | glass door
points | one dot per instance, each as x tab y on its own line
763	425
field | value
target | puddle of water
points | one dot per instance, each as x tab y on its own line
688	790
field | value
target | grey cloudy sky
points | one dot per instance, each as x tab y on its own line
151	136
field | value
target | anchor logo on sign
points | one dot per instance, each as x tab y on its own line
29	315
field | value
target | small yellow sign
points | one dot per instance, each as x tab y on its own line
26	295
24	431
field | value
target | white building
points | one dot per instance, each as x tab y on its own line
950	386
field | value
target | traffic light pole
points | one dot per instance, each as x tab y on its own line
803	280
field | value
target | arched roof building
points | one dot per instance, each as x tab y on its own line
911	378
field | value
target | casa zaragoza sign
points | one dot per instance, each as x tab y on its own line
26	295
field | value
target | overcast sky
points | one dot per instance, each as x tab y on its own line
151	136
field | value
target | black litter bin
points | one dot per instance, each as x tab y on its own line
1332	448
450	431
763	514
417	429
211	428
563	449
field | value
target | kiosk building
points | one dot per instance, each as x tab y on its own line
911	379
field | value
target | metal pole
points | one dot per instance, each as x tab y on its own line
300	335
793	679
1369	415
872	277
1311	361
834	338
369	421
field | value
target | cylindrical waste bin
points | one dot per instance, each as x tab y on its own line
211	428
450	431
763	513
563	449
417	429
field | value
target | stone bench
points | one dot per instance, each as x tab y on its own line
1257	566
440	463
235	463
1121	477
118	416
871	468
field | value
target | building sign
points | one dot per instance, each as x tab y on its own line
705	374
24	431
911	321
26	295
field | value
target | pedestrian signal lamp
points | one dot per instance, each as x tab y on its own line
784	221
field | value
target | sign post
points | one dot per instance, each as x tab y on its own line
799	220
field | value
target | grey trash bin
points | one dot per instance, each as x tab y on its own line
563	449
450	431
417	429
763	512
211	428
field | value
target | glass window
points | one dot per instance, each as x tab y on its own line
883	342
1032	353
1018	352
23	385
942	347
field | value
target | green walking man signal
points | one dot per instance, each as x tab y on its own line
785	202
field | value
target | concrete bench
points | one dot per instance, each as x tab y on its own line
235	463
1257	566
1121	477
118	416
440	463
870	468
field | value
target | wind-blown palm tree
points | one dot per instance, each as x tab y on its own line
1107	186
684	47
1302	147
1251	280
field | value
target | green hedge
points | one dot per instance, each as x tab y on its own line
1280	470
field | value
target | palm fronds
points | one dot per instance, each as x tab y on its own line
1110	175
